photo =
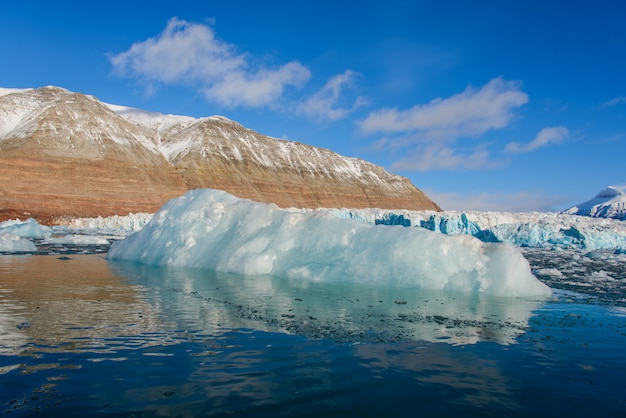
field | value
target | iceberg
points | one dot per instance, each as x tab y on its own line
16	235
15	244
77	240
25	229
211	229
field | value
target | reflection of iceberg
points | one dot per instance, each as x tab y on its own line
214	302
214	230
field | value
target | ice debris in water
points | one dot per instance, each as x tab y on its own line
14	244
16	235
214	230
25	229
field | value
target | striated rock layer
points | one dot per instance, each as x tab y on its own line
65	154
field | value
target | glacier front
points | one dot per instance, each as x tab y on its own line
214	230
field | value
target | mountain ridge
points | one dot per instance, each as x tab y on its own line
610	203
69	154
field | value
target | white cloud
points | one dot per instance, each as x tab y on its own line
470	113
428	133
438	156
190	54
256	89
324	105
547	136
614	102
182	52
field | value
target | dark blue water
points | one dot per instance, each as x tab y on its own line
84	337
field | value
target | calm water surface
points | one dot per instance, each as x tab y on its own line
86	337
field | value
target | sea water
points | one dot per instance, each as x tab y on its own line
83	336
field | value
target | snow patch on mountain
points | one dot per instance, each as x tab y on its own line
150	120
4	91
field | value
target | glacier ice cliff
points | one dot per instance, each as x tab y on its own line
532	230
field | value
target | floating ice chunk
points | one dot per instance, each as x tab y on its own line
25	229
15	244
77	240
214	230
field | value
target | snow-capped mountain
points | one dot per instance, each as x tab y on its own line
69	154
609	203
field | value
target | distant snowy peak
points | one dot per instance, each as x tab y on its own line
609	203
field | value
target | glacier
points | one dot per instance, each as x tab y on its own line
548	230
211	229
528	229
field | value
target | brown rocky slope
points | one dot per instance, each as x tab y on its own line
65	154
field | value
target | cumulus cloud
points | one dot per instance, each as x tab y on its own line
256	89
472	112
428	134
325	104
190	54
547	136
438	156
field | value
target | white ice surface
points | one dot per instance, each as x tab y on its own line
15	244
532	229
111	224
214	230
25	229
74	239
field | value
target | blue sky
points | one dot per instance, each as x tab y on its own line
485	105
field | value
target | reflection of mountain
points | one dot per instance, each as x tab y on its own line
69	305
215	301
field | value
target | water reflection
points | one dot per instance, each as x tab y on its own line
213	301
79	303
121	338
471	380
51	303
